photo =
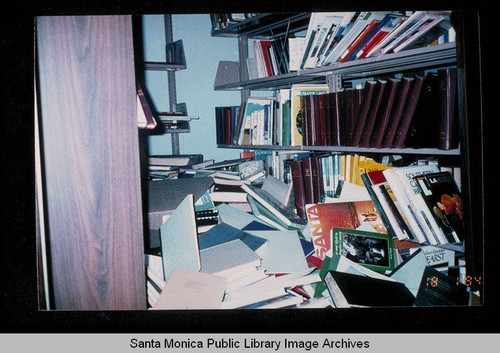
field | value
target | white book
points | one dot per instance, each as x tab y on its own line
402	31
329	21
343	24
408	195
362	21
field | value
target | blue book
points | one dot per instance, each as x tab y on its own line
223	233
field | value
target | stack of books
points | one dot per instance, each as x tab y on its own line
269	257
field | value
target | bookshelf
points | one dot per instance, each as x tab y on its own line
177	120
235	77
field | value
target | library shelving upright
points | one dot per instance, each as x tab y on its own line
461	53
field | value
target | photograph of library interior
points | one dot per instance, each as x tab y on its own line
302	160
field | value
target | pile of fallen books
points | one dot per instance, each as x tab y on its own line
208	251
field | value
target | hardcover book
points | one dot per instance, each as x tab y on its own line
349	290
179	239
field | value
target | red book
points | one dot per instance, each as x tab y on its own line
351	215
264	46
384	113
408	113
307	175
397	112
378	94
359	39
363	111
298	188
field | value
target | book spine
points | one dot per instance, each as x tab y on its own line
372	115
408	113
363	111
298	188
307	175
397	112
447	93
382	118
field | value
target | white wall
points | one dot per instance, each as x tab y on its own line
194	84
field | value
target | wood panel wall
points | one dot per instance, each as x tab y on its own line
91	162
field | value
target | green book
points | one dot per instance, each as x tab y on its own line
370	249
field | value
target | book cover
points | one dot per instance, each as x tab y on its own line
191	290
223	233
283	252
349	290
443	198
231	260
179	239
438	289
411	271
368	248
165	195
145	117
350	214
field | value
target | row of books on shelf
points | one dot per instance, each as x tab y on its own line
268	256
223	20
404	112
334	37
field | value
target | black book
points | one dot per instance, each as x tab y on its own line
438	289
350	290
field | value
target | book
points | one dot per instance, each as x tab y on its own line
433	28
447	91
375	106
179	239
283	252
284	214
381	119
232	260
368	248
343	264
164	196
443	198
145	117
407	193
363	110
424	128
349	290
380	192
299	188
296	109
397	111
408	113
411	271
223	233
178	160
190	290
348	214
228	193
438	289
254	129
